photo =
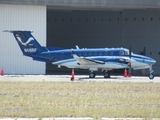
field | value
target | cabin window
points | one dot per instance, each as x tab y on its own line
106	53
90	53
85	54
95	53
126	52
100	53
80	54
71	54
112	53
121	53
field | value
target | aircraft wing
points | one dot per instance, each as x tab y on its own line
86	61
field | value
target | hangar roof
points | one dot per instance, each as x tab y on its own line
90	4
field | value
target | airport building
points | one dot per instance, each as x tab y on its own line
86	23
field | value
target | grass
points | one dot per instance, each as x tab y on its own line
79	99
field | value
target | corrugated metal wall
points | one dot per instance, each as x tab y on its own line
17	17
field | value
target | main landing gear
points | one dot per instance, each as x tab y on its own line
92	74
105	73
151	75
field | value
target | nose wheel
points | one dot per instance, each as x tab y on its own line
151	75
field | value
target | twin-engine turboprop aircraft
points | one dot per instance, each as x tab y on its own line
94	59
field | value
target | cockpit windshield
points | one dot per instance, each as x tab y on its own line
126	52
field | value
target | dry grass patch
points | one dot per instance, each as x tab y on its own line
88	99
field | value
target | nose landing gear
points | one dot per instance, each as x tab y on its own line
151	75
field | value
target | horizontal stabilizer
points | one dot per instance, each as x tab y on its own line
12	31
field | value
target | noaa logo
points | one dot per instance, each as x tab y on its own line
30	50
22	43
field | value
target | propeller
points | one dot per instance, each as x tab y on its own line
143	53
129	64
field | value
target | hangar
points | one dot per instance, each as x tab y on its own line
86	23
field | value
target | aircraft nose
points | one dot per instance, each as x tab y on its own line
152	61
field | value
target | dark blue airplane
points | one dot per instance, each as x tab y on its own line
104	59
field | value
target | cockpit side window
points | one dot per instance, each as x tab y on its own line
126	52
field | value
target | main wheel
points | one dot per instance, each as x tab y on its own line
106	75
151	76
92	75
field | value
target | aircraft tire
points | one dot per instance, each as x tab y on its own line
92	75
151	76
106	75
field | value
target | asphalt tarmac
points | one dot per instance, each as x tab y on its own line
77	78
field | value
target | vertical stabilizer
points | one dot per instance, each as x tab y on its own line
26	41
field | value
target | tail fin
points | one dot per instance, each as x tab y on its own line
26	41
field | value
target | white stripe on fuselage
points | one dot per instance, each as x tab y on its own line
72	63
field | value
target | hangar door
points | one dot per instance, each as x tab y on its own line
87	29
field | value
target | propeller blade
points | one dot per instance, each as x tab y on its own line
129	66
130	52
144	53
